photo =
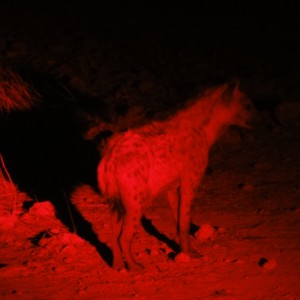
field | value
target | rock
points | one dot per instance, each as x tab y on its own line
267	264
7	222
43	209
245	187
206	232
182	257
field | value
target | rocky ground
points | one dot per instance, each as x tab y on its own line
247	210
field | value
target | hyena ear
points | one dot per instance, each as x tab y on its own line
233	85
229	89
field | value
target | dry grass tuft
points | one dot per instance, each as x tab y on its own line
15	93
8	191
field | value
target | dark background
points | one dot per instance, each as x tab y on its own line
96	60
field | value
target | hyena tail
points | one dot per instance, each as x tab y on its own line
15	93
109	188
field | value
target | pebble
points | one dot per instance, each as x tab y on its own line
205	232
182	257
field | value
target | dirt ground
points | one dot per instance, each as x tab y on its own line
246	219
247	210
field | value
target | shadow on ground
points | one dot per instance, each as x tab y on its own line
47	157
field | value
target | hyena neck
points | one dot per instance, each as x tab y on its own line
196	115
213	129
217	123
204	115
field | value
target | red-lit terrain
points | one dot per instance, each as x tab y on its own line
246	219
250	200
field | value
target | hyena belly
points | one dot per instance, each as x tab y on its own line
176	158
166	165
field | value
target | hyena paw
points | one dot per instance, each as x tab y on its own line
187	255
194	253
119	265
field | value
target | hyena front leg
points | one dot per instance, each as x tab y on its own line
173	198
184	222
187	196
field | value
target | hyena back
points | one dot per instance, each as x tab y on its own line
164	157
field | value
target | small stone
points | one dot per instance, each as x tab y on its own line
221	229
245	187
267	264
206	232
45	209
270	265
182	257
154	252
54	231
7	222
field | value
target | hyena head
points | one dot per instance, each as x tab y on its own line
234	106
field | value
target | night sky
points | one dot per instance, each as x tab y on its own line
265	28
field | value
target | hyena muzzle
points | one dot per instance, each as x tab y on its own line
168	157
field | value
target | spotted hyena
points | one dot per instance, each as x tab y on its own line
168	157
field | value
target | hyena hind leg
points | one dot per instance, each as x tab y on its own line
131	222
132	218
117	224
